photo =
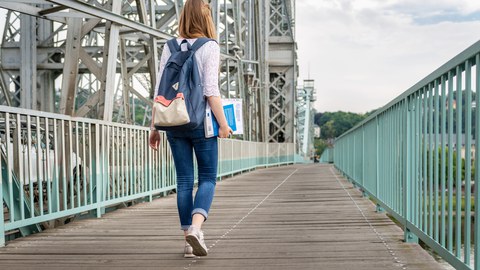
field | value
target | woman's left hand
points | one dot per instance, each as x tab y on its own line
154	139
224	132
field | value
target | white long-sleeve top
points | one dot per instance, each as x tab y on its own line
208	61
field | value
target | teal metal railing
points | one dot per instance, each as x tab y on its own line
416	157
327	155
55	166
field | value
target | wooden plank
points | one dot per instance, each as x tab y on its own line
293	217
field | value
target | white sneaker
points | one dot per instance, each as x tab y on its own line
188	251
195	239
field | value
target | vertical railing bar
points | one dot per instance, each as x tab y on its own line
134	168
47	166
468	159
2	218
64	169
119	160
77	164
149	167
450	162
70	161
56	168
377	161
399	156
442	160
114	166
83	163
116	171
162	168
415	158
123	158
458	194
29	166
425	159
138	183
108	173
39	165
430	159
128	158
20	160
143	163
394	157
99	173
421	179
120	152
141	160
477	167
383	155
90	171
408	166
436	160
387	159
133	165
106	169
11	211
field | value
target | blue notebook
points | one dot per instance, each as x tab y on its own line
233	113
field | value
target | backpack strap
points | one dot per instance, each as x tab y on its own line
199	43
173	45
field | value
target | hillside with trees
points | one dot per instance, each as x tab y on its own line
334	124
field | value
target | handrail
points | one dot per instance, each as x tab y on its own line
56	166
417	160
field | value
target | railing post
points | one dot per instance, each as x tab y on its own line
377	167
267	155
363	155
409	237
100	163
2	221
379	209
477	168
149	168
231	158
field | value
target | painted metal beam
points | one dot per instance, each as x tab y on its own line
111	16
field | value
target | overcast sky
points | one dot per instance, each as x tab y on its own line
364	53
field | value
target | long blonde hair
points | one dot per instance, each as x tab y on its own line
196	20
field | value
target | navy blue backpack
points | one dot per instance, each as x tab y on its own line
180	104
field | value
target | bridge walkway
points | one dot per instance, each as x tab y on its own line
291	217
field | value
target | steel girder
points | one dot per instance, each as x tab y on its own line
98	58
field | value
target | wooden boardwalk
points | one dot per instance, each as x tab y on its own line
292	217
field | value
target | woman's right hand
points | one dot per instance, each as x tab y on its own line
154	139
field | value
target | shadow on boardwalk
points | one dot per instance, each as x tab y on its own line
292	217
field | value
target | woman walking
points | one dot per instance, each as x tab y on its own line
196	22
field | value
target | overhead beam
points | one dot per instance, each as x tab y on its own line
110	16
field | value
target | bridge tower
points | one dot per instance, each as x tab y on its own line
306	96
281	72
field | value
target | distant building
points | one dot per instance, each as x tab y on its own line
316	131
454	145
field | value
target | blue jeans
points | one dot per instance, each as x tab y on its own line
206	153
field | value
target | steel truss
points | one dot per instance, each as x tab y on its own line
98	58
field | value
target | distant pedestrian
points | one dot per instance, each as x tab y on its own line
196	22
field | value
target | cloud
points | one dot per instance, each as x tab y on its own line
362	54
